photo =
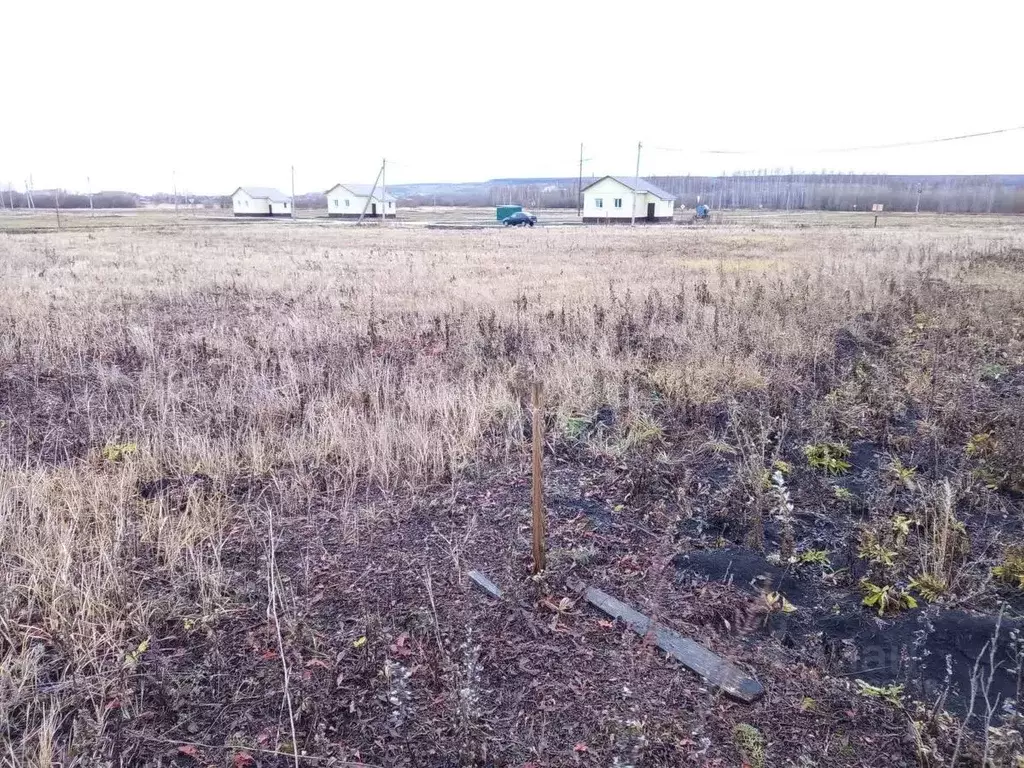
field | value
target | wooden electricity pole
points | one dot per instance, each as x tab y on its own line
636	185
383	192
88	186
56	203
579	186
539	522
293	191
369	198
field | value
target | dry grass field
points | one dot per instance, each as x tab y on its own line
245	468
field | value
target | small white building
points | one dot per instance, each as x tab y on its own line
615	199
348	201
260	201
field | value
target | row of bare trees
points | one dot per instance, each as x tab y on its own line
52	198
851	192
783	191
760	189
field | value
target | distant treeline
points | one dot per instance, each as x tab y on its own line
50	198
842	192
780	191
309	201
775	191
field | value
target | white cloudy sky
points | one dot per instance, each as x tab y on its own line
217	94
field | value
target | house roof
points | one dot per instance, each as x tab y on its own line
264	193
642	185
362	190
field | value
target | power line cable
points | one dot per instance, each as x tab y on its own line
866	147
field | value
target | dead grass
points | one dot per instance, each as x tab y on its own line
326	362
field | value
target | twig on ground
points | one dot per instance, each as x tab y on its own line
272	598
246	748
433	610
979	682
991	706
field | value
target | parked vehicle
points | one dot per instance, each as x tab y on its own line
520	218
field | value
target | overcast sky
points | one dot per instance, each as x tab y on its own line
213	94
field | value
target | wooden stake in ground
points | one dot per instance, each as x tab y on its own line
539	523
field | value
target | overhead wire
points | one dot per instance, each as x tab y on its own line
838	150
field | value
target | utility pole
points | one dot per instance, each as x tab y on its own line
579	186
293	191
917	206
56	203
369	197
636	185
383	192
88	186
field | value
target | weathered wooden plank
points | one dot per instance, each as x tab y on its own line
712	667
485	584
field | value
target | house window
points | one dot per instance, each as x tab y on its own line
348	203
390	204
618	202
246	203
335	202
599	202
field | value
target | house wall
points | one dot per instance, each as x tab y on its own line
607	190
336	205
243	205
664	209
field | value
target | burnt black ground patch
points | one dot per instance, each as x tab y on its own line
932	652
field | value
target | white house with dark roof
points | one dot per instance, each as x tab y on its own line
617	199
348	201
260	201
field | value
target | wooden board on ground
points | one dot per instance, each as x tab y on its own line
713	668
485	584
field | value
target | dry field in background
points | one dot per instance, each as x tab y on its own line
243	470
